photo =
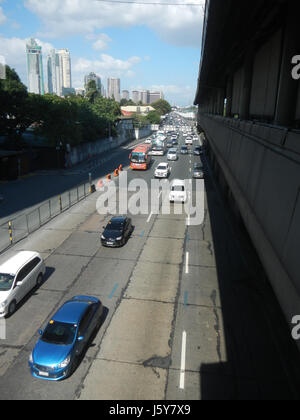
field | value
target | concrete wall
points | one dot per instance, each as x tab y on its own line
261	166
80	153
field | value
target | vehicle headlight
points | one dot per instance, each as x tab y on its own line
119	238
30	359
103	237
64	363
3	304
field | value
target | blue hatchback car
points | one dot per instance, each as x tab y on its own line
56	353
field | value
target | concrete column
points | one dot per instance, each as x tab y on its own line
229	92
287	91
247	83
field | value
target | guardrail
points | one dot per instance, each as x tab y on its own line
21	226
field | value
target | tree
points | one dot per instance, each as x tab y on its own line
92	92
13	108
153	117
162	107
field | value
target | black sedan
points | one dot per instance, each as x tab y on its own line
117	232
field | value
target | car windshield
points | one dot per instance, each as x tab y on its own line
138	157
6	282
178	188
162	167
115	225
59	333
184	148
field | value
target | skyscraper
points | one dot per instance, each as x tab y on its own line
113	88
125	95
65	78
155	96
135	96
59	72
92	76
53	73
35	67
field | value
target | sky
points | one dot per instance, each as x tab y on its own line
153	47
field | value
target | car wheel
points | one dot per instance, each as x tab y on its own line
12	307
39	281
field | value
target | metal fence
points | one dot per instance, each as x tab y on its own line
20	227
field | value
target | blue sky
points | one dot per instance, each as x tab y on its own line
148	47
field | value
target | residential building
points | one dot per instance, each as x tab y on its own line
113	88
65	76
35	67
125	95
155	96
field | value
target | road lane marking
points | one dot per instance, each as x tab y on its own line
114	290
187	263
183	357
149	218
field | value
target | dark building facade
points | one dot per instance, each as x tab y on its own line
248	98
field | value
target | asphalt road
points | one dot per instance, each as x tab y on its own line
186	318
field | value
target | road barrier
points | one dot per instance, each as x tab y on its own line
21	226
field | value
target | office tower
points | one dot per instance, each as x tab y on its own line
145	96
59	72
125	95
97	80
35	67
135	96
53	71
113	88
155	96
65	79
103	91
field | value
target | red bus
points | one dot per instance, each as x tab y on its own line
140	158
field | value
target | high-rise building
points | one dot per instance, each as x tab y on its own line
113	88
59	72
53	71
145	96
135	96
125	95
65	77
155	96
95	78
35	67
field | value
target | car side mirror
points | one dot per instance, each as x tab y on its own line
19	283
40	332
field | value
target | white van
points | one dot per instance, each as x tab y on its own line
178	192
18	276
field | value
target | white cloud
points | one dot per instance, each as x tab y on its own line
178	25
14	52
102	42
106	66
3	18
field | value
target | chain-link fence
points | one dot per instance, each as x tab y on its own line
21	226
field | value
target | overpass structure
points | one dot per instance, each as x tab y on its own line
249	109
